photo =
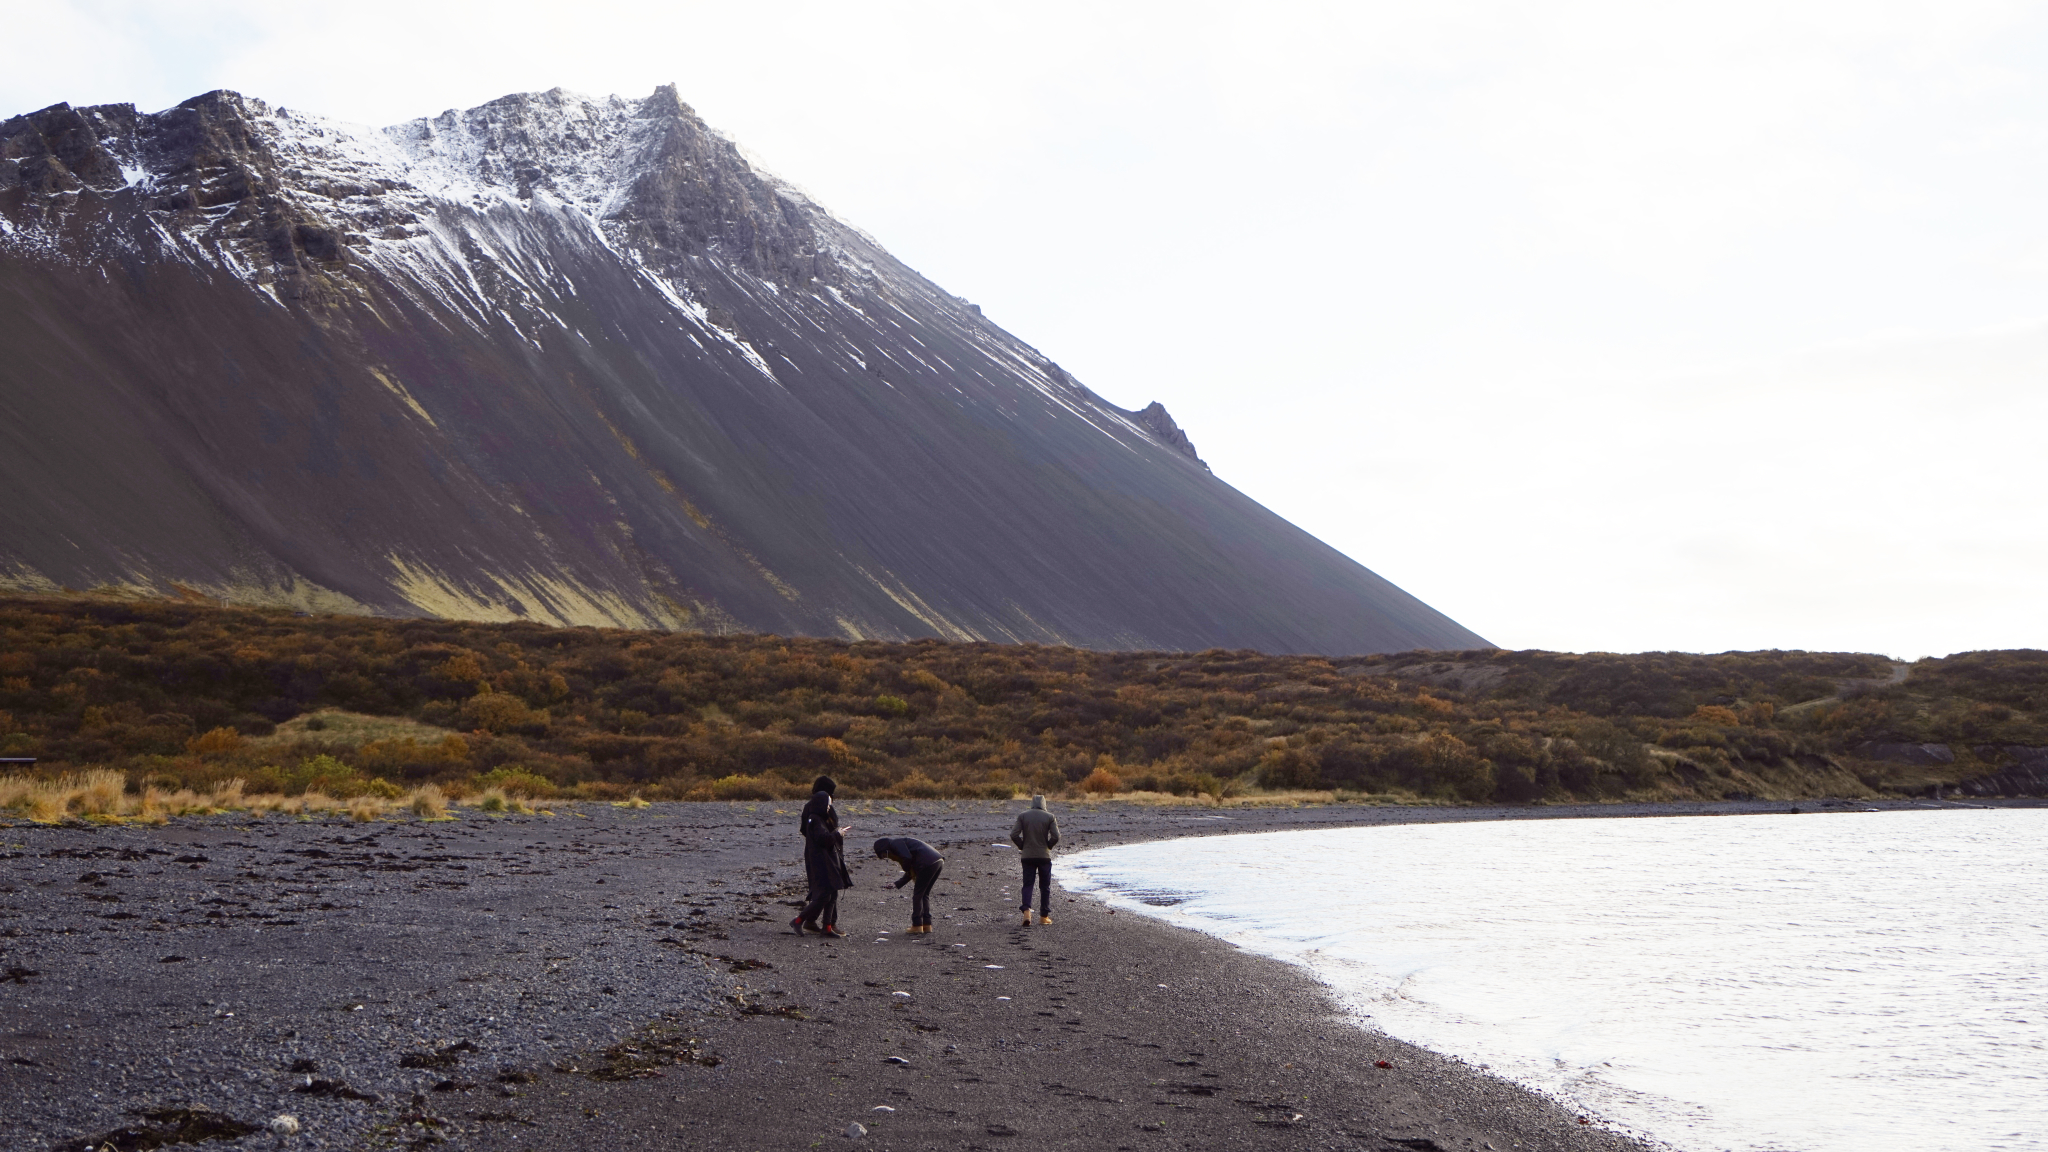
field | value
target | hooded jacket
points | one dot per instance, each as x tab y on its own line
1035	832
913	855
824	848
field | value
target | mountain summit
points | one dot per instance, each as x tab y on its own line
576	360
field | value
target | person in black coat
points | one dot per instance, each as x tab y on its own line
824	861
921	862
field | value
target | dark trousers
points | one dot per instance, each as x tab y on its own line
1043	870
823	903
921	894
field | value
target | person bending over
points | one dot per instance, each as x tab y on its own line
1034	834
824	861
921	862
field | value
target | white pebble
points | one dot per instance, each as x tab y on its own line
855	1131
284	1125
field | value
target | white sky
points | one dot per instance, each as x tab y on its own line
1599	326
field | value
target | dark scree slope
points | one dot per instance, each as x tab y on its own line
578	361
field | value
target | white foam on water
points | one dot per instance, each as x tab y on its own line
1820	983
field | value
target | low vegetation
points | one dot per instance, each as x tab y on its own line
161	705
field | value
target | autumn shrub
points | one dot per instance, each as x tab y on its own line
1102	782
183	698
406	757
1578	772
1455	768
518	780
1519	783
1619	747
502	712
332	777
215	741
597	790
917	786
1048	780
1289	768
1179	783
744	788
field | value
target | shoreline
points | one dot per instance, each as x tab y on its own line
533	982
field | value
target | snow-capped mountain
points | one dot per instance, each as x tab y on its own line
577	360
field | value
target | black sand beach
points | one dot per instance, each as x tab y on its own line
626	978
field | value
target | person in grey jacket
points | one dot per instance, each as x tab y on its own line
1034	834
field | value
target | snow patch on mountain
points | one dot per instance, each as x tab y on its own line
466	213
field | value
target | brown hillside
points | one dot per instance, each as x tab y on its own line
189	695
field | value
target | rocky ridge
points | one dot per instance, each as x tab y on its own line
578	360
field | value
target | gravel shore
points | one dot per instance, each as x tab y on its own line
626	979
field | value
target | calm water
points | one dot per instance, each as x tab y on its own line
1850	982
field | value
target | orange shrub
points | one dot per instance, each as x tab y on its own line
1102	782
214	741
502	712
516	780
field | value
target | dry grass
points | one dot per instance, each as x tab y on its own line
430	803
350	730
1287	798
100	794
498	803
304	804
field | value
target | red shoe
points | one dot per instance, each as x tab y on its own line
796	925
830	930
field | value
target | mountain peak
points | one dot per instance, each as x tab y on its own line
1156	417
576	359
666	102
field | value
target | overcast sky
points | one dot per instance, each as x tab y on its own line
1598	326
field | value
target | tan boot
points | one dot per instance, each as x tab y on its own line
1045	919
1027	920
